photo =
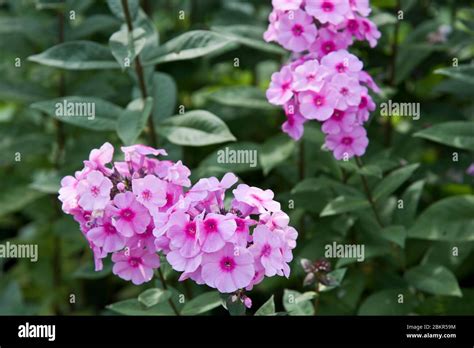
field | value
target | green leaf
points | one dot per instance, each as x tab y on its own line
195	128
459	134
335	279
77	55
15	198
410	198
133	119
46	181
268	308
165	94
105	117
395	234
296	303
450	219
235	308
116	8
275	151
190	45
135	307
343	204
241	97
11	299
434	279
202	303
91	25
126	46
464	73
393	181
250	36
151	297
87	271
388	302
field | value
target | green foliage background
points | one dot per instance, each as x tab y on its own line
211	57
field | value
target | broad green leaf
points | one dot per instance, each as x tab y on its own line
30	144
116	8
126	46
248	35
434	279
235	307
190	45
448	305
464	73
133	120
395	234
275	151
241	97
77	55
202	303
343	204
22	91
450	219
15	198
195	128
335	279
135	307
46	181
11	299
165	94
151	297
321	183
459	134
388	302
268	308
296	303
405	215
75	110
393	181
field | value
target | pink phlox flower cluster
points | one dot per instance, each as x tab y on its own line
324	82
139	207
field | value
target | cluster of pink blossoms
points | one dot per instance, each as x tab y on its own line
324	81
139	207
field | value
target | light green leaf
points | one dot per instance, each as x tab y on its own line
116	8
275	151
434	279
410	198
387	302
76	112
126	46
343	204
151	297
15	198
195	128
393	181
77	55
268	308
296	303
464	73
202	303
459	134
165	94
241	97
190	45
450	219
395	234
134	307
133	119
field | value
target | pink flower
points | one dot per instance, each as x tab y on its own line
98	158
348	91
183	264
140	150
332	11
214	231
68	193
318	105
178	174
294	126
341	62
266	248
296	31
129	216
340	121
106	236
367	79
150	191
329	41
309	76
348	144
280	90
242	236
136	265
285	5
370	31
229	269
256	197
361	6
94	191
366	105
183	235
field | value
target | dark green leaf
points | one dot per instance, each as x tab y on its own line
202	303
434	279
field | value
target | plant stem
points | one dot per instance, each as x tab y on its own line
165	287
369	193
316	299
141	77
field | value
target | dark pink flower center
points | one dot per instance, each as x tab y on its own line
266	250
319	100
190	229
210	225
347	140
366	26
169	198
352	25
297	30
95	191
134	262
327	6
363	103
341	67
227	264
338	115
328	46
286	86
344	91
146	195
127	214
109	229
240	224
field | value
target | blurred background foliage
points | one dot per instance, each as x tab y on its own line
426	57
